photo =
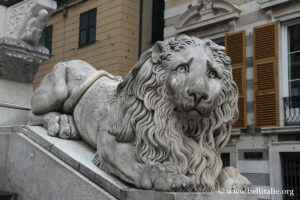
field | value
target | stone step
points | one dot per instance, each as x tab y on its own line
50	167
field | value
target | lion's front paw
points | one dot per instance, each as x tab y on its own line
173	182
167	178
61	125
230	179
52	125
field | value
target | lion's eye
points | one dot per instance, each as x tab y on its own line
182	68
212	74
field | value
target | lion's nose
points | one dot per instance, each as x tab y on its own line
198	95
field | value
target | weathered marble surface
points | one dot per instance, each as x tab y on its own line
21	26
31	32
26	20
19	61
42	167
32	172
162	128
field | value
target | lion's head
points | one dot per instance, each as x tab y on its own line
179	103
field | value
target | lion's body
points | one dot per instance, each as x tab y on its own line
163	127
94	105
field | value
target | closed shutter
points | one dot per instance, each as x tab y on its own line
265	57
236	49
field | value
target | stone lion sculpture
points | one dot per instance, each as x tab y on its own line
162	127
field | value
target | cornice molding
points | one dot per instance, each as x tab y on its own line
207	12
266	4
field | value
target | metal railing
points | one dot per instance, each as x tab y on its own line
290	162
291	111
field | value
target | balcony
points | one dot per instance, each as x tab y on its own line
291	111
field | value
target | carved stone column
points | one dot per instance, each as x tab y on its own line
21	26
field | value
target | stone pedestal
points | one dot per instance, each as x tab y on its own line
19	62
38	166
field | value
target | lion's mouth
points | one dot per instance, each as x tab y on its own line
194	111
200	112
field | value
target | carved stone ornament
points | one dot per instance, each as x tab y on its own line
27	19
32	31
207	12
161	128
19	61
16	16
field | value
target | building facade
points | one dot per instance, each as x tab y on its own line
103	33
262	37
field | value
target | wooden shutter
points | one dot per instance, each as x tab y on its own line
236	49
265	55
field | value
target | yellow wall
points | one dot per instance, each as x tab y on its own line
116	47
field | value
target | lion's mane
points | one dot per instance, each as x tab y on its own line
147	122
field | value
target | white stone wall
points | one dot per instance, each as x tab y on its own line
3	10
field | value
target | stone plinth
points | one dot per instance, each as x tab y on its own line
38	166
32	172
19	62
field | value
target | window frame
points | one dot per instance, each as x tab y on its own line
283	73
88	28
285	91
225	157
158	21
219	40
47	42
61	3
289	53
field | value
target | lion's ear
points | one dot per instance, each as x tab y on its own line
157	49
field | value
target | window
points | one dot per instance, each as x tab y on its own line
158	22
8	3
293	53
290	162
219	41
236	49
290	73
87	29
225	159
46	38
61	2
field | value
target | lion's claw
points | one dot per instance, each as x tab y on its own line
168	178
61	125
65	129
231	179
53	126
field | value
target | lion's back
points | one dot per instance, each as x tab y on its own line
78	72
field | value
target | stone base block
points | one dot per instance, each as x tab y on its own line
13	109
11	116
37	166
19	61
32	172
